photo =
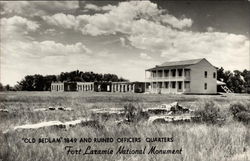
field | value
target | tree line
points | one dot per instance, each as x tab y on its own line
39	82
237	81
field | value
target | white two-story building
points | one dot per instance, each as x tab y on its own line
196	76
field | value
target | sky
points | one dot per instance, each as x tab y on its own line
123	38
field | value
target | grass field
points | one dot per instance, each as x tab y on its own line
198	141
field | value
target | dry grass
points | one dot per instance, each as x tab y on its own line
198	141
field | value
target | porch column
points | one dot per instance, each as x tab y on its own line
169	86
176	86
183	86
157	87
169	82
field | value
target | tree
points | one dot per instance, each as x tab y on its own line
7	87
27	83
42	83
237	81
246	76
220	74
38	82
1	87
48	79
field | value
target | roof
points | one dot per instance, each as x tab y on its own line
220	83
183	63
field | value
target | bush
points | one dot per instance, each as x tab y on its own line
236	108
240	112
243	116
134	113
209	113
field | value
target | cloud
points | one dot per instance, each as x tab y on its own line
124	42
16	26
210	29
147	27
86	7
119	19
108	7
138	24
176	23
35	49
145	56
51	32
36	8
228	50
20	58
60	19
92	7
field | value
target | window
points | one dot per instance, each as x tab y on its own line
205	74
153	74
205	86
179	85
166	84
160	73
187	85
214	75
166	73
173	72
154	85
187	73
173	84
180	72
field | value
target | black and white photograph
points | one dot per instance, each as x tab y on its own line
125	80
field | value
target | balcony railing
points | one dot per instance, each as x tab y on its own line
182	78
